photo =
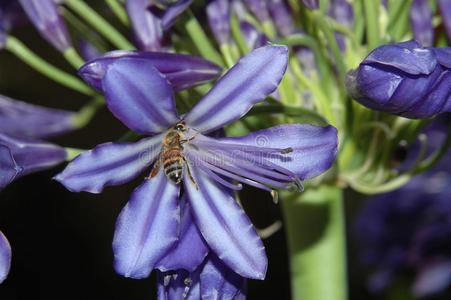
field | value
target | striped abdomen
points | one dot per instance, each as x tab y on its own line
173	164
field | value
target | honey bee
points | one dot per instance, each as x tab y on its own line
171	155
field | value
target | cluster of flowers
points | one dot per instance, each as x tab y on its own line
193	231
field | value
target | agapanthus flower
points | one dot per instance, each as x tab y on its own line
5	257
147	230
408	231
173	8
46	19
404	79
218	14
420	16
342	11
445	11
145	18
22	125
11	14
182	71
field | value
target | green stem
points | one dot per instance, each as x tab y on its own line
201	40
371	9
16	47
87	112
72	153
119	11
238	35
227	55
315	227
73	58
99	23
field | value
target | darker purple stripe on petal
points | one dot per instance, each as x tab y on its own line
147	227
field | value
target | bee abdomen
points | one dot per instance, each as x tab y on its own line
173	167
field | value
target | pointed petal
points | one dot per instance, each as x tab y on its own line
140	96
5	257
191	248
147	227
182	71
173	12
314	148
216	279
225	227
254	77
109	164
23	119
8	167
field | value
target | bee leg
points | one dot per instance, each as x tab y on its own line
155	169
190	139
189	174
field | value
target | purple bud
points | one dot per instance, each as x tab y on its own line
253	38
218	14
173	11
88	51
182	71
146	22
259	9
420	15
44	16
5	252
281	16
404	79
445	10
311	4
11	14
21	156
22	119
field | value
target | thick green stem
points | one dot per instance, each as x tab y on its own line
21	51
119	11
99	23
314	222
73	58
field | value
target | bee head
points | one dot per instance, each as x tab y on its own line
180	126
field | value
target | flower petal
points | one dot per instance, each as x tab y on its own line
225	227
420	16
32	155
5	257
179	285
254	77
314	148
23	119
408	56
217	279
173	12
182	71
140	96
8	167
191	248
147	227
109	164
432	279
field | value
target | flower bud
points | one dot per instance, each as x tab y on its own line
420	16
218	14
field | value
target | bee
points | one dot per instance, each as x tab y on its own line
171	155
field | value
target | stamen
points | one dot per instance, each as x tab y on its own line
220	180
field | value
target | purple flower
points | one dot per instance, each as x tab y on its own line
23	119
342	11
11	14
409	230
253	38
211	280
45	17
145	18
218	14
281	16
445	10
5	257
420	15
173	8
21	125
147	230
88	50
311	4
182	71
404	79
258	9
22	156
